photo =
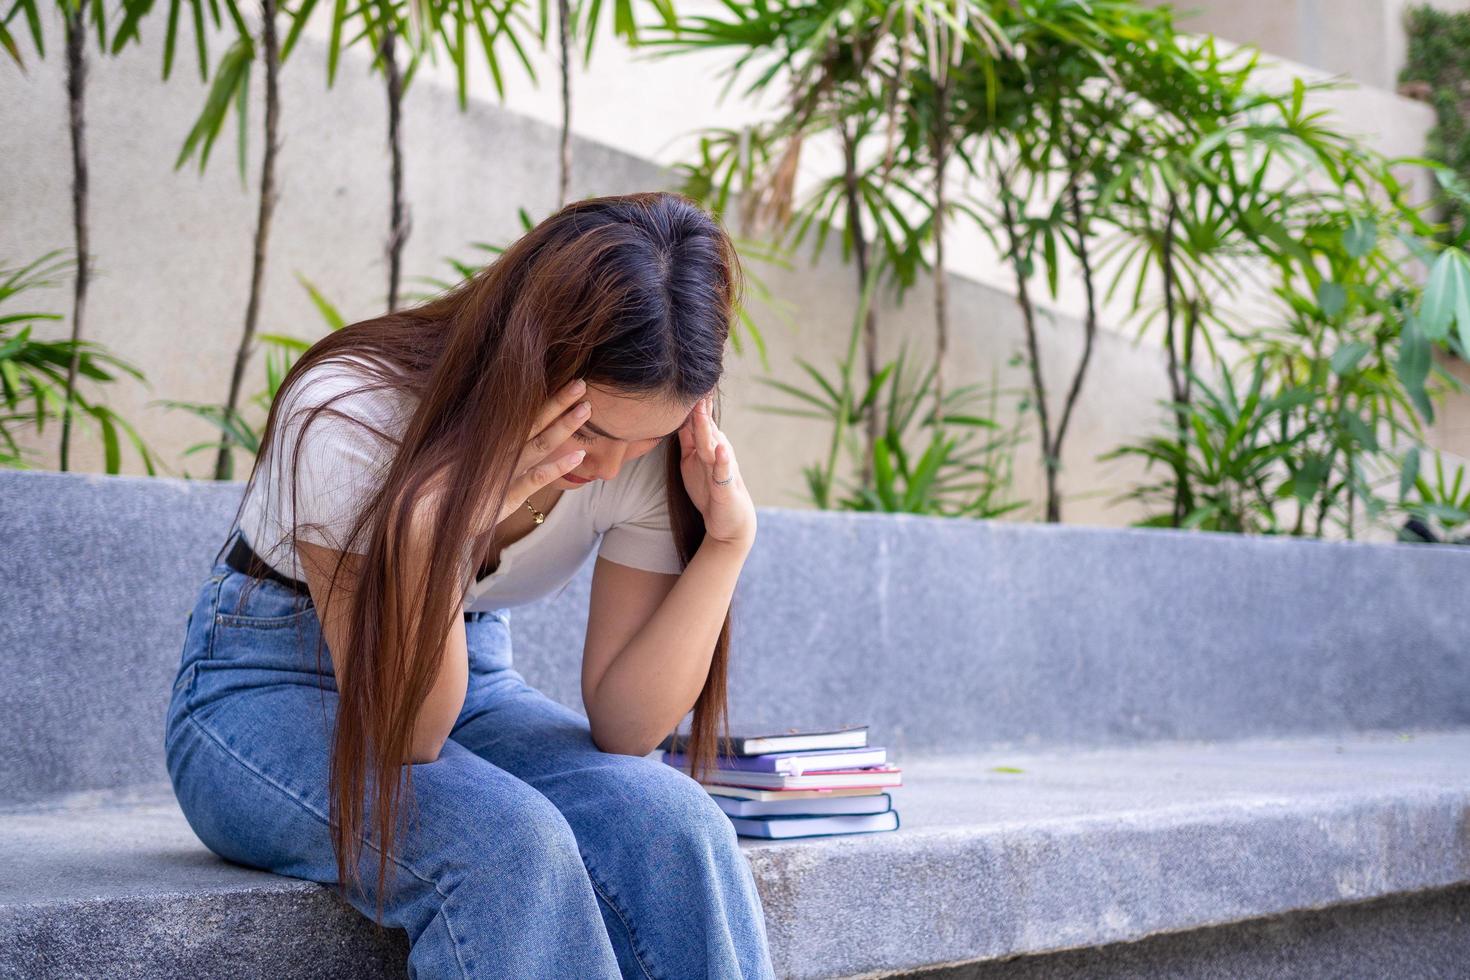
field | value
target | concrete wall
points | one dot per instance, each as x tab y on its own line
1362	40
172	249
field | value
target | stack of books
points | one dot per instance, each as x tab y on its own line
799	782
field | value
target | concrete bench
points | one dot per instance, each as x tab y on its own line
1237	756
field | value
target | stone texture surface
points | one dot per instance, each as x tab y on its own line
940	634
1416	937
1078	849
261	933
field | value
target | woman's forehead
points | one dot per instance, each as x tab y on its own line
633	417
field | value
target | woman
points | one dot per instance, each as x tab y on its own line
422	472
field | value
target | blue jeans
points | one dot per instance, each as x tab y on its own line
529	853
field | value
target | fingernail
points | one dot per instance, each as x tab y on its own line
579	454
583	408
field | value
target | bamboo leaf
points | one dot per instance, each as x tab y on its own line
1410	472
1412	365
1447	296
1346	357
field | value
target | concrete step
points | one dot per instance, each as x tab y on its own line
1080	849
1423	936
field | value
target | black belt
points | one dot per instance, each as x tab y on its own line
242	558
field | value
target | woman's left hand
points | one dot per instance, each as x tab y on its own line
705	455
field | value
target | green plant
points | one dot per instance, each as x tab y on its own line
965	474
1114	149
958	465
383	22
1441	508
1063	123
390	25
1354	325
80	21
1228	458
34	385
830	59
1272	201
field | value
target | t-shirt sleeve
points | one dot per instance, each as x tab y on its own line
341	462
641	535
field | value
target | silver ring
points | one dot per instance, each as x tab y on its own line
726	480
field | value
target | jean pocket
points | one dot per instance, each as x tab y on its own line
261	604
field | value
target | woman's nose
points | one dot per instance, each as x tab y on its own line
606	465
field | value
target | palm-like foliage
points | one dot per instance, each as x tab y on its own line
230	89
75	16
423	26
36	376
1228	457
1441	506
957	464
842	64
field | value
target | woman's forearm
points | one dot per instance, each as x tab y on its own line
655	679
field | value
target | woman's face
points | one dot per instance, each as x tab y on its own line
621	428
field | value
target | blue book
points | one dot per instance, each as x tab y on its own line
780	828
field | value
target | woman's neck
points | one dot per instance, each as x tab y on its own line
513	528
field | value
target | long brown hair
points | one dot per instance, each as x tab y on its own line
635	292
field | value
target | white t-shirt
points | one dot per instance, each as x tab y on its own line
625	519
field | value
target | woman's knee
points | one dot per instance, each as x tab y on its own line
503	830
676	813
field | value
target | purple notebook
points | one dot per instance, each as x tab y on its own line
812	760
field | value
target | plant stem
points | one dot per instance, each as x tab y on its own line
1028	320
564	31
1054	510
870	318
941	289
398	222
223	464
76	87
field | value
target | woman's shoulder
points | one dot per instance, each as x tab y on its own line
340	369
350	385
339	415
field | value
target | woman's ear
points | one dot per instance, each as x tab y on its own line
686	437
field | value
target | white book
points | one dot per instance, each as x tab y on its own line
822	806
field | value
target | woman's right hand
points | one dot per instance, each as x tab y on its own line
560	416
